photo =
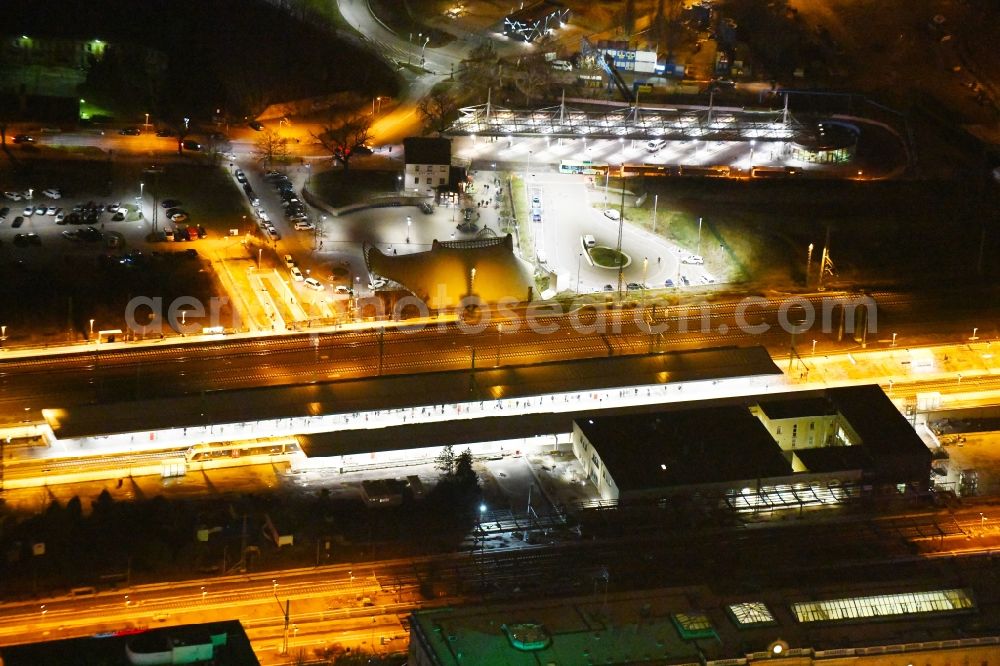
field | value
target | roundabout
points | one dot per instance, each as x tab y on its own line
608	257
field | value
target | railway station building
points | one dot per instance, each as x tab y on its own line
759	451
889	623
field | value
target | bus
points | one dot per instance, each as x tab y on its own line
704	171
585	167
256	447
772	172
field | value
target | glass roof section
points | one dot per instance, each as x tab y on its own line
886	605
751	613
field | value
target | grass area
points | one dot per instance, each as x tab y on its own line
339	187
405	18
607	257
523	218
917	231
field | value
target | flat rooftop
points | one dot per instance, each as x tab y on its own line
695	625
690	446
408	391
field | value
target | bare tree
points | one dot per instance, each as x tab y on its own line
534	78
628	18
481	70
269	147
339	137
437	109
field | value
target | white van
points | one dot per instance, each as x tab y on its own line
541	256
589	241
561	66
655	145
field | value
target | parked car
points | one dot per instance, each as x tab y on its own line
13	196
426	207
52	193
4	211
23	138
52	210
313	283
304	226
60	217
256	126
289	262
296	274
692	259
612	214
34	239
29	211
18	221
130	131
190	144
342	289
164	132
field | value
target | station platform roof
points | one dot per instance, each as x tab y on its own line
408	391
679	123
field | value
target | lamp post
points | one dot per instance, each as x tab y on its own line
656	200
579	263
3	334
91	328
974	336
472	281
260	251
809	261
409	221
496	363
893	340
699	236
147	120
423	48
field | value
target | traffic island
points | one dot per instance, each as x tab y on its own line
607	257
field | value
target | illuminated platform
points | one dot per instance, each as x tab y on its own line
432	400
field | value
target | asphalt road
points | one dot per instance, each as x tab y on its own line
29	385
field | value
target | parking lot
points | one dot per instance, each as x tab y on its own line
94	247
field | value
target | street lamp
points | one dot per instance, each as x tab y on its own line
91	328
147	120
579	263
496	364
422	48
472	281
699	236
409	221
260	251
974	336
809	261
3	334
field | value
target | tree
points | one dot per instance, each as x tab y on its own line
437	108
465	476
480	70
446	461
533	78
628	18
339	137
269	147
